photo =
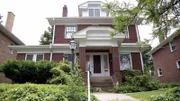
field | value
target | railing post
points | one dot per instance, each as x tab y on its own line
88	81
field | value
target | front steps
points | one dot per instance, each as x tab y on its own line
101	83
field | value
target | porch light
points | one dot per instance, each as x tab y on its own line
72	45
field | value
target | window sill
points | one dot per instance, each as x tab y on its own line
173	51
159	75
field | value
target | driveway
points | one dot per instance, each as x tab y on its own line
114	97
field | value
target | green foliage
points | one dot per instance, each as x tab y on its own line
28	71
127	89
169	85
59	76
163	14
33	92
171	95
46	38
128	74
65	66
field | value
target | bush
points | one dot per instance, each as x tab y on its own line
171	95
169	85
128	74
127	89
65	66
141	80
33	92
28	71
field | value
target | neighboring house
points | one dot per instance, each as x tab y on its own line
166	59
106	56
7	38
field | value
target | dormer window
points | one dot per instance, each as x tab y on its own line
94	12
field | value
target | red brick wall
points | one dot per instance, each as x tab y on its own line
21	56
82	58
57	57
132	35
166	60
4	50
136	61
115	60
47	56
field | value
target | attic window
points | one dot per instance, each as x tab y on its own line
94	12
69	30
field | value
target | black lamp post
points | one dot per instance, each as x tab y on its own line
72	45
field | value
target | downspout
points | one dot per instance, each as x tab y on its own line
142	63
50	47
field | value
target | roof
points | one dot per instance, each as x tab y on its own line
164	42
10	35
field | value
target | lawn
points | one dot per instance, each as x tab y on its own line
146	95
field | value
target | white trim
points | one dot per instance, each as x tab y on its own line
72	33
142	64
158	71
178	66
137	32
128	32
130	59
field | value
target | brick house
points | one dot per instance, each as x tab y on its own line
166	59
7	38
106	56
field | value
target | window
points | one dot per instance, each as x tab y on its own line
125	61
10	50
91	12
29	57
70	29
39	57
178	64
67	57
94	12
172	46
159	72
34	57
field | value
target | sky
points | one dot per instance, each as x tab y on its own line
30	17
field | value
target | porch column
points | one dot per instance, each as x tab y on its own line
115	60
82	58
115	66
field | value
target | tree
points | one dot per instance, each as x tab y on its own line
164	14
46	38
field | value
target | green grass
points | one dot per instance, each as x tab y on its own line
146	95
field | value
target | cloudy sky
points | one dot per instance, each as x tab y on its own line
30	17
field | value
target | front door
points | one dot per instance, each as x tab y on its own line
98	63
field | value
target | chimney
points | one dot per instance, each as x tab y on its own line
10	21
65	11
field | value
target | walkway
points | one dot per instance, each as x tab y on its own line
114	97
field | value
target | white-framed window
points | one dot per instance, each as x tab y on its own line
172	46
69	30
94	12
125	61
34	57
159	70
11	51
178	64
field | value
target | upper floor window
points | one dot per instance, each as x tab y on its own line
34	57
172	46
125	61
94	12
70	29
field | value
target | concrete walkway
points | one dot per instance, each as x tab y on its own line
114	97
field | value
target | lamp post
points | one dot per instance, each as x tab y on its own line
72	45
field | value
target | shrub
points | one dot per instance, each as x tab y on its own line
172	95
152	86
141	80
127	89
65	66
28	71
33	92
169	85
128	74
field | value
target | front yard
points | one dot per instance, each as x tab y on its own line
146	95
